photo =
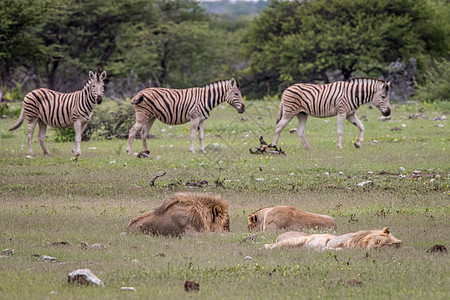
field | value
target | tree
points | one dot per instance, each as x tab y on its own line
306	40
18	42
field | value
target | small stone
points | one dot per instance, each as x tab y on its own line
383	118
92	148
135	261
402	169
432	180
128	288
375	141
403	125
437	248
8	252
370	172
190	286
48	258
365	183
29	156
248	258
53	293
326	174
441	125
83	277
326	121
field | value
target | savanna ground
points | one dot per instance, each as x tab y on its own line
54	199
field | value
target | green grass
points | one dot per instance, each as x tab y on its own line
92	199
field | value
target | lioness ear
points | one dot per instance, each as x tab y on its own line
252	219
216	211
386	230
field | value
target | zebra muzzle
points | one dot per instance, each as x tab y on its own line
386	113
99	100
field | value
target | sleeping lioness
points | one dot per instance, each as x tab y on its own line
369	239
286	218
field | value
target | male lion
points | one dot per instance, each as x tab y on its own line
369	239
286	217
183	213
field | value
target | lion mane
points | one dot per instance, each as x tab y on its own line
184	212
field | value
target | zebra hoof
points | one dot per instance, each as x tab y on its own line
357	146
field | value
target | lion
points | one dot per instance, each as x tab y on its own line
286	217
183	213
368	239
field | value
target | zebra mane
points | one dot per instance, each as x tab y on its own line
219	83
365	79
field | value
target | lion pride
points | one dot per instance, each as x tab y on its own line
369	239
183	213
286	217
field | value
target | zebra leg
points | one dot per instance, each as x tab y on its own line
144	133
41	136
302	118
354	119
76	144
194	127
135	129
201	135
340	129
279	128
30	131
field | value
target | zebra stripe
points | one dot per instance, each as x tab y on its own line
61	110
179	106
327	100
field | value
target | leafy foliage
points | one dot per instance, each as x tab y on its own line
437	83
294	41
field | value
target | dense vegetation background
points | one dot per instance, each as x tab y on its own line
265	45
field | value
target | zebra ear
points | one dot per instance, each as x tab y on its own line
233	82
91	75
388	85
103	75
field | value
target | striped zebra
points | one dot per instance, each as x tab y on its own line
326	100
175	107
61	110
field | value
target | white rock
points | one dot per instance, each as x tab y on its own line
403	125
370	172
158	157
29	156
112	162
365	183
163	130
326	173
292	174
259	179
437	176
432	180
248	258
441	125
53	293
49	258
92	148
341	173
84	277
326	121
375	141
402	169
383	118
135	261
128	288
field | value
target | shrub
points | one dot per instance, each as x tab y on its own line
437	83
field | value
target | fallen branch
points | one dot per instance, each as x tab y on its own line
266	148
160	174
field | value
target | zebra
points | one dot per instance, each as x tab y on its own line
326	100
179	106
61	110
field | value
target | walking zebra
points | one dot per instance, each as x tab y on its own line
61	110
175	107
326	100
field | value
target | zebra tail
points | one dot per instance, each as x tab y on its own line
137	99
19	122
280	113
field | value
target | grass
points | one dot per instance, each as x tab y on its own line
53	199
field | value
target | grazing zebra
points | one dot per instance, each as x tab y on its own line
326	100
61	110
175	107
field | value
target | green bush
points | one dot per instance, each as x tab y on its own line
9	110
112	120
437	83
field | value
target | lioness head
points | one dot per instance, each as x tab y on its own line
382	238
